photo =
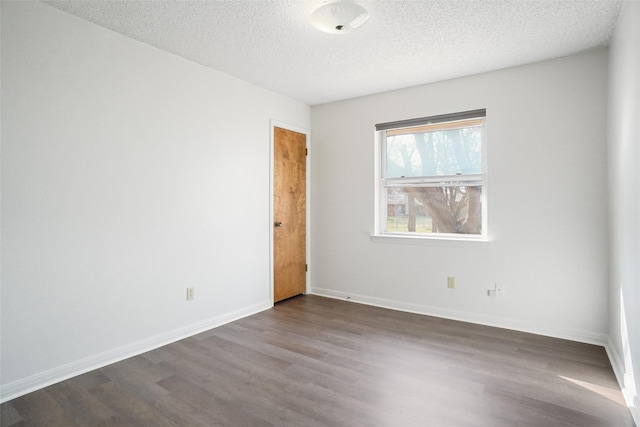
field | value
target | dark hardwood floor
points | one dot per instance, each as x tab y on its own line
312	361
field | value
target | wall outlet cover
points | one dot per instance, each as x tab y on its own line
451	282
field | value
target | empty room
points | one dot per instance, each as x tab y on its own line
320	213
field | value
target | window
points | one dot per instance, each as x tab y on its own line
432	177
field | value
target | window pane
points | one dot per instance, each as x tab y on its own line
434	152
455	210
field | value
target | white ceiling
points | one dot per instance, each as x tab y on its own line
271	43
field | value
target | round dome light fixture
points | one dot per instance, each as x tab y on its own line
340	17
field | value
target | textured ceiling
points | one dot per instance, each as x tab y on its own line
271	43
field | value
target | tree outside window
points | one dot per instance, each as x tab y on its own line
432	176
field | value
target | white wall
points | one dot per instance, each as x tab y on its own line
547	203
624	203
128	174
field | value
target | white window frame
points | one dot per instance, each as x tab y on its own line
382	182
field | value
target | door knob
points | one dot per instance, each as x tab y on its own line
277	224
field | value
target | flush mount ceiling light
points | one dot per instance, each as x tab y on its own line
340	17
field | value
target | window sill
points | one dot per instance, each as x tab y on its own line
429	240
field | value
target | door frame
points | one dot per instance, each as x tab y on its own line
273	124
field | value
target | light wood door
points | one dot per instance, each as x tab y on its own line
289	213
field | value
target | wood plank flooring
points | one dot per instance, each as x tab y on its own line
312	361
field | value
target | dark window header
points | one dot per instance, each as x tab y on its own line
433	119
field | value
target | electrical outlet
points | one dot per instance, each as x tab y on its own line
190	294
497	291
451	282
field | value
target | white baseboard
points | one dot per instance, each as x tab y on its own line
43	379
568	334
629	393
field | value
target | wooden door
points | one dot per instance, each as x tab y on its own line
289	213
